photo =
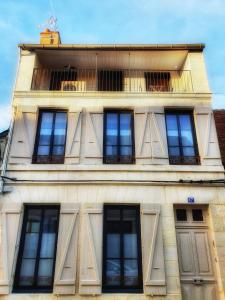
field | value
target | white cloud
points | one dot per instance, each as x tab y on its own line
5	115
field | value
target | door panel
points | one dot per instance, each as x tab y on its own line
186	255
204	266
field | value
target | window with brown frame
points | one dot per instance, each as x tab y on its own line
59	76
181	138
118	137
122	267
37	252
157	81
110	80
51	137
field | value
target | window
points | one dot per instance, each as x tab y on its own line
37	252
157	81
181	138
181	214
110	80
60	76
122	270
118	137
51	137
197	215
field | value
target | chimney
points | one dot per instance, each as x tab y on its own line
49	37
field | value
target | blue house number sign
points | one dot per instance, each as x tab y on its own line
191	200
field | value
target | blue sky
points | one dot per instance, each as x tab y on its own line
114	21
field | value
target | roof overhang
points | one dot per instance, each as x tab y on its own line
116	47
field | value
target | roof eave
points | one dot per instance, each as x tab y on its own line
116	47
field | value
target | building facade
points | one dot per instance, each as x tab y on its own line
113	181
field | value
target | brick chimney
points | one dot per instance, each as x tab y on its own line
49	37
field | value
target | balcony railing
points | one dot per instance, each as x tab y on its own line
85	80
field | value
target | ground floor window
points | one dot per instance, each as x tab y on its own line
122	271
37	252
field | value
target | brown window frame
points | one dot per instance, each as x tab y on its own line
110	80
183	159
157	81
49	159
122	288
35	288
118	159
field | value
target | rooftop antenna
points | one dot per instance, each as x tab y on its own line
51	22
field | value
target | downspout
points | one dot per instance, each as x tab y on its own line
7	150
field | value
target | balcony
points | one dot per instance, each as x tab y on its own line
111	80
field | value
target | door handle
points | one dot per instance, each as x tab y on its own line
197	281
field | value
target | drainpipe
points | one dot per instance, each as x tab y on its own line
7	150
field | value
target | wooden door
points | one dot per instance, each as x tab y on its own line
197	274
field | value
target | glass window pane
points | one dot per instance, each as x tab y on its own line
181	214
113	272
27	272
129	221
59	139
44	139
33	220
46	126
130	245
125	129
125	150
113	214
197	215
45	272
60	128
174	151
50	220
172	130
47	245
130	272
58	150
43	150
30	246
112	128
186	130
188	151
113	245
111	150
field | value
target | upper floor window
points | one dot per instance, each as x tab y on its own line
182	145
37	252
157	81
110	80
51	137
122	271
118	137
62	79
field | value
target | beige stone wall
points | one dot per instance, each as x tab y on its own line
166	196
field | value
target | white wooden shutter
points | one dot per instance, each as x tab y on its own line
91	250
23	136
94	136
207	137
143	149
73	141
150	136
10	224
158	136
152	250
66	257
